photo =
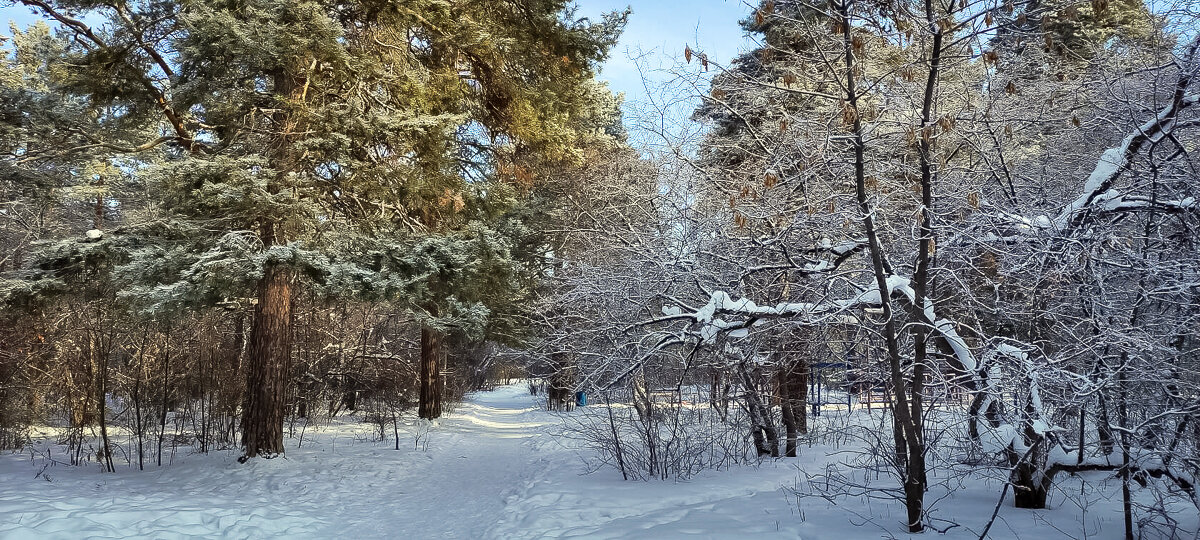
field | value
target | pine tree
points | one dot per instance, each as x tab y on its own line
350	145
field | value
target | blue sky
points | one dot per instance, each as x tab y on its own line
663	27
18	14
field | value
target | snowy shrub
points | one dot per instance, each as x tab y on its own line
665	440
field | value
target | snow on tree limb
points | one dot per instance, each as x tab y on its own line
1097	191
1098	194
1114	161
725	314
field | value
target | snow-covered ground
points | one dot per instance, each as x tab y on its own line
490	469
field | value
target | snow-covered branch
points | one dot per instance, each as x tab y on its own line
1099	194
734	317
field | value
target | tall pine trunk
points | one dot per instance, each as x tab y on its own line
271	332
266	373
430	406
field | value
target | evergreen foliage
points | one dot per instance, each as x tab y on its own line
230	147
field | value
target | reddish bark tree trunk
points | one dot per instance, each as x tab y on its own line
430	406
270	346
266	372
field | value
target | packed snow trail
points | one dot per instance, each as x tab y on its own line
491	468
448	481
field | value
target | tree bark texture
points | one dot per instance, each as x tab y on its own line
430	405
266	374
793	391
766	437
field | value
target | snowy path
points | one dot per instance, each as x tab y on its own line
490	469
337	485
